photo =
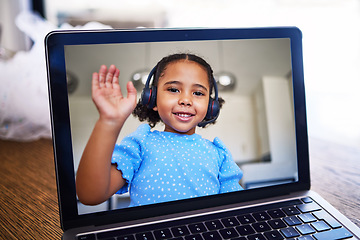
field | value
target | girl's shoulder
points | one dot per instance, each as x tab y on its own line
141	133
221	148
143	129
219	144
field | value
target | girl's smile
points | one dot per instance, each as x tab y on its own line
184	116
182	96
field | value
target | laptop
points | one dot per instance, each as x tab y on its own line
259	74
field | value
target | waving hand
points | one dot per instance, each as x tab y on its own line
106	93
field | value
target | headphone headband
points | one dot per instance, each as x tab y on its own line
150	76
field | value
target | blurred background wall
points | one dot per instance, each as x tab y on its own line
330	37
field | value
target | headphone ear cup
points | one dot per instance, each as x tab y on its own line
152	99
148	97
213	109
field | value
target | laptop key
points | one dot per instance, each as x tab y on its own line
128	237
261	216
305	229
320	226
194	237
339	233
309	207
290	211
180	231
245	230
230	222
197	228
246	219
214	225
256	237
162	234
211	235
144	236
322	215
276	213
307	200
228	233
307	217
273	235
290	232
261	227
277	224
308	237
239	238
292	220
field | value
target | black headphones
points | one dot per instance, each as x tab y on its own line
148	99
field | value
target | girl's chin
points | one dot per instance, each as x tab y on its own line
181	129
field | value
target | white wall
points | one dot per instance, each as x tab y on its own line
261	121
275	108
280	118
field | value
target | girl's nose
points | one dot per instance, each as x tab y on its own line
185	100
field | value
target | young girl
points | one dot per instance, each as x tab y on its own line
156	166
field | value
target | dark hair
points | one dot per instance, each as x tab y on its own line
146	114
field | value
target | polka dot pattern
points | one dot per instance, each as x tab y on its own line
163	166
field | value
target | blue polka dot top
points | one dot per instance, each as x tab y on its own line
164	166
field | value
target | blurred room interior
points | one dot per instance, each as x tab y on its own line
331	40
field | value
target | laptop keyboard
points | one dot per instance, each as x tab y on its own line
301	219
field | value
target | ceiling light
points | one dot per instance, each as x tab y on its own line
225	81
139	78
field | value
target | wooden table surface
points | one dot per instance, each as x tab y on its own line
28	198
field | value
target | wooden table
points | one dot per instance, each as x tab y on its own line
28	198
335	175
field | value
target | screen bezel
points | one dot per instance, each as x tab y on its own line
62	141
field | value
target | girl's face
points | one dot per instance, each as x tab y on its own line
182	96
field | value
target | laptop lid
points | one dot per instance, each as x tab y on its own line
259	73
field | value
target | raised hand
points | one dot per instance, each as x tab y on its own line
107	96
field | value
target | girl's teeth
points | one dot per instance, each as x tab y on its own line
184	115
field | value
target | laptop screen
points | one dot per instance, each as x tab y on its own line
258	131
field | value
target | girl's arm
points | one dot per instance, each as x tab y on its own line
97	179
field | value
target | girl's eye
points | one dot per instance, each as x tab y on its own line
198	93
171	89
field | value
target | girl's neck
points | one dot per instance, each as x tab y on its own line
169	129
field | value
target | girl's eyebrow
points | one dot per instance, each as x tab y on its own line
179	83
201	86
172	82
